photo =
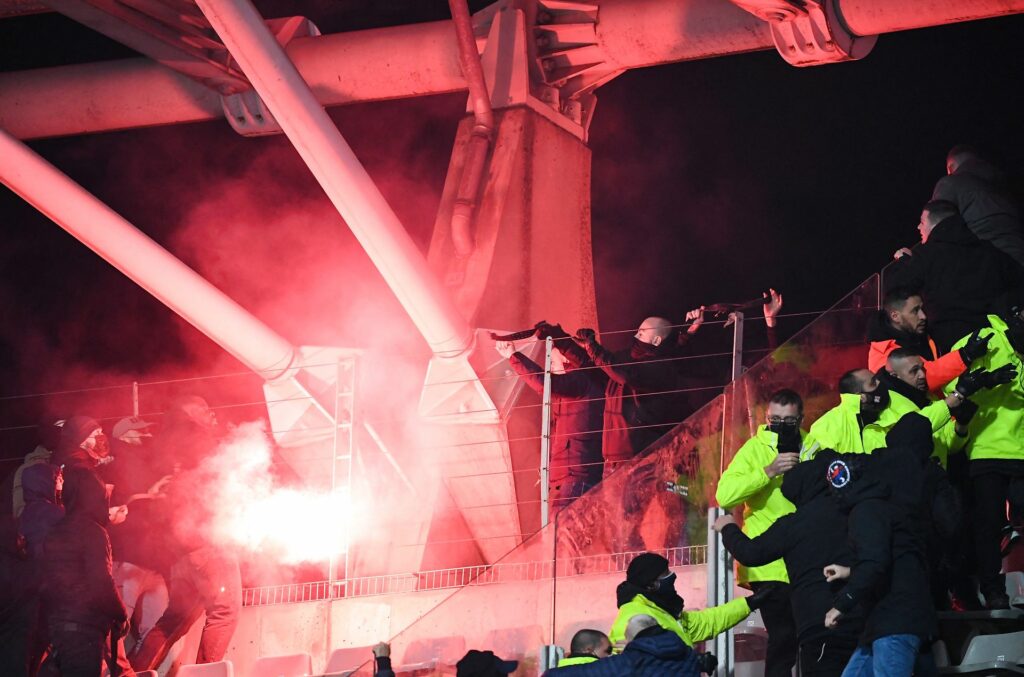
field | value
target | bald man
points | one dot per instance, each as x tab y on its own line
640	399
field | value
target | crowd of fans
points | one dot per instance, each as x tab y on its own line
96	573
896	503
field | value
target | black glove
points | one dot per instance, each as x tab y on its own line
976	380
766	590
964	412
975	347
584	336
555	331
707	663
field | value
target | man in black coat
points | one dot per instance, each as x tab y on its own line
577	406
807	541
641	399
80	602
978	189
883	494
961	278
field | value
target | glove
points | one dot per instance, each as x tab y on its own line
979	379
964	412
555	331
976	347
761	596
585	336
707	663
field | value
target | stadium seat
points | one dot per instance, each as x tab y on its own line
146	673
988	654
348	658
1015	587
218	669
940	653
445	650
293	665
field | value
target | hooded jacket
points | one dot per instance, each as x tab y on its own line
577	403
885	338
997	430
840	428
906	399
75	431
42	512
744	481
78	586
652	653
38	455
883	495
639	405
690	626
807	541
961	279
991	214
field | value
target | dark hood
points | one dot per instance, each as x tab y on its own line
74	432
912	435
803	484
85	496
39	483
908	391
953	230
661	644
852	478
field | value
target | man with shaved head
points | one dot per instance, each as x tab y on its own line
641	402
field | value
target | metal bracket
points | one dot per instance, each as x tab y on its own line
245	111
809	32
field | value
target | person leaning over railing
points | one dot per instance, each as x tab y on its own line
649	589
754	479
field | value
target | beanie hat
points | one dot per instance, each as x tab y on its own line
645	569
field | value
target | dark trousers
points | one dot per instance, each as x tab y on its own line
205	580
826	657
777	614
77	651
989	493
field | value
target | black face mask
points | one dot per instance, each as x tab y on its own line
639	349
877	400
789	436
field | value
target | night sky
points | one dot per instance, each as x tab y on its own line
712	180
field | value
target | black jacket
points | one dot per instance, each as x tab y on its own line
653	653
880	329
807	540
882	494
961	278
977	189
640	402
577	406
77	582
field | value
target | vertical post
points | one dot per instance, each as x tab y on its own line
545	436
720	571
331	563
135	399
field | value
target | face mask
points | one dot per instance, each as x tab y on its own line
667	585
640	349
877	400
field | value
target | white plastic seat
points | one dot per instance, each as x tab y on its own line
147	673
1015	587
987	654
292	665
218	669
348	659
940	653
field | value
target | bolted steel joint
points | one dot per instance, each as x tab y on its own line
809	33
